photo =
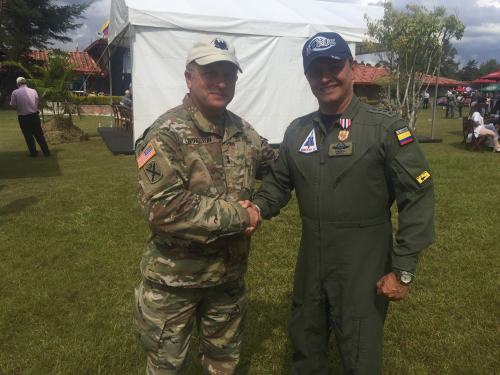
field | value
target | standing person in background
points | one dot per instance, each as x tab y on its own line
25	101
126	100
426	100
452	101
460	103
448	96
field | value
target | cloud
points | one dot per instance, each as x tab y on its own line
479	40
489	3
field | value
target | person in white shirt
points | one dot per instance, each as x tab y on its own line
426	100
479	127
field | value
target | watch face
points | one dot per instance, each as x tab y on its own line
405	278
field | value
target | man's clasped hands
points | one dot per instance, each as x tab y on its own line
255	218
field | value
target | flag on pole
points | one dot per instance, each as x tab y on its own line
105	28
77	46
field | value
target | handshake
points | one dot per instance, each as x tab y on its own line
255	218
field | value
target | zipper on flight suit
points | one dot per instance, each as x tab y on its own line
344	173
321	167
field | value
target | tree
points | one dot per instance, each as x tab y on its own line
449	67
52	86
490	66
470	71
26	24
412	42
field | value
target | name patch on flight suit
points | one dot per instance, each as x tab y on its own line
340	149
422	177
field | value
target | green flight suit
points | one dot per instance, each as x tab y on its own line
345	192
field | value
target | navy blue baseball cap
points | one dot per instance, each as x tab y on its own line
330	45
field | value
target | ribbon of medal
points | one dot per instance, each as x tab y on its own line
345	123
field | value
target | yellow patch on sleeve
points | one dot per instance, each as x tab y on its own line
423	177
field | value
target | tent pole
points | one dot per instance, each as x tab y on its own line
435	98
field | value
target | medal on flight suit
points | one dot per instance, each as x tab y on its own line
344	133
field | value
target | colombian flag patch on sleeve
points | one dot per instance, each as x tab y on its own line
404	136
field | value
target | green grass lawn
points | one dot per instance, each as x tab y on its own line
72	235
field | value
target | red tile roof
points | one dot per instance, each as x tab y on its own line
84	63
371	75
368	75
445	82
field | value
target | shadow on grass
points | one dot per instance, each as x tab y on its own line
257	336
17	206
16	164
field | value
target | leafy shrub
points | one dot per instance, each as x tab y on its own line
100	100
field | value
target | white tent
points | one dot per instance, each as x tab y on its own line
268	36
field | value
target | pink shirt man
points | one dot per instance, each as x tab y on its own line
25	100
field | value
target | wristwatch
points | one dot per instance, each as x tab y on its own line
404	277
258	208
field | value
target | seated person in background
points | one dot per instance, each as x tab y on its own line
480	128
126	100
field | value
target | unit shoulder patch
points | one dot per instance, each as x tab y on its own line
153	172
403	136
382	112
422	176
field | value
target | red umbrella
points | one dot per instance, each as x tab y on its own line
495	76
481	80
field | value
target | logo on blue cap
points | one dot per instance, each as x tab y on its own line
320	43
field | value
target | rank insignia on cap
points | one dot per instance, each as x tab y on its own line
404	136
309	144
146	155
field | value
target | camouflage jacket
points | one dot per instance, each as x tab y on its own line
191	176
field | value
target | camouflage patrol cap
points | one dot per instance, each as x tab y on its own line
209	49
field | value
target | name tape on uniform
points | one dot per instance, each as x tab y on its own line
340	149
147	154
310	144
404	136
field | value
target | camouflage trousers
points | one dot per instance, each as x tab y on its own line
164	318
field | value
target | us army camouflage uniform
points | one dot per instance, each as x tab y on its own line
191	176
345	191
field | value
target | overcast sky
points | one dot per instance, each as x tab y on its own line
480	42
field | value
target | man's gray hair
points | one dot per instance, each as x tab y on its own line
190	67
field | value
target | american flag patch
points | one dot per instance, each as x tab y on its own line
146	155
345	123
404	136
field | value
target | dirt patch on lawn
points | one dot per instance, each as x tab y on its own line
64	132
